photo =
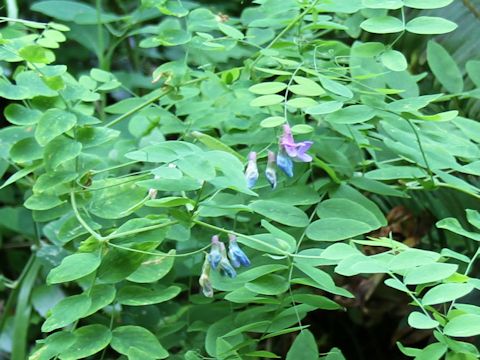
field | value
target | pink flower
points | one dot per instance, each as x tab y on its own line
296	151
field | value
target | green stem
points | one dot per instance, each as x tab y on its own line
139	230
138	108
160	254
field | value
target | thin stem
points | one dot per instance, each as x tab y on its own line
287	90
416	301
285	30
82	222
420	146
251	238
138	108
139	230
467	271
160	254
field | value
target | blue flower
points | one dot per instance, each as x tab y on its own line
225	267
251	173
236	255
284	162
270	172
215	255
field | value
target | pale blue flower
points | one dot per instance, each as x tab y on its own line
284	162
251	173
215	256
236	255
270	172
225	267
204	280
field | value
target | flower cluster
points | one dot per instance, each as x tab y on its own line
288	152
218	260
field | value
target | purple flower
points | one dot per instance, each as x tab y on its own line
215	256
251	173
236	255
270	172
296	151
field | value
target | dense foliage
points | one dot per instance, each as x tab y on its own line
269	179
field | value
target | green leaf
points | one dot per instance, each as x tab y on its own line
124	338
421	321
26	150
60	150
411	258
74	267
301	102
427	4
116	199
394	60
433	351
303	347
347	209
382	25
20	115
272	121
153	269
37	54
267	100
53	123
463	326
444	67
302	129
383	4
215	144
101	296
135	295
334	229
322	279
42	201
453	225
53	345
429	273
430	25
89	340
396	172
444	293
20	174
267	88
281	213
262	354
335	87
230	31
319	301
306	87
472	66
270	284
66	312
353	114
326	107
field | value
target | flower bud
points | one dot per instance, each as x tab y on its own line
270	172
251	173
204	280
